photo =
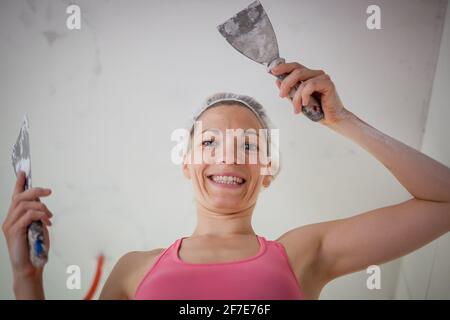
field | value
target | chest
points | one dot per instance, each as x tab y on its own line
216	253
261	278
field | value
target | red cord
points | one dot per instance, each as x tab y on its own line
96	280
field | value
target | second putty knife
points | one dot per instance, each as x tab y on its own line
251	33
21	161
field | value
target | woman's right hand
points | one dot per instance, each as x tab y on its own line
25	208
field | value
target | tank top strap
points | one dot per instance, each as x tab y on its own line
280	247
176	248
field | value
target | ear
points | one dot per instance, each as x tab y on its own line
266	181
267	178
185	167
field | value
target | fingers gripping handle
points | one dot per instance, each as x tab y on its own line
314	109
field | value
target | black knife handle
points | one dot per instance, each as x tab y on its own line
314	109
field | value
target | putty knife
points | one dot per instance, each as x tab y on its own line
21	161
251	33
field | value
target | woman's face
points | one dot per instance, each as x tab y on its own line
211	176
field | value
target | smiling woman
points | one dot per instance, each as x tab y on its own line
225	258
221	168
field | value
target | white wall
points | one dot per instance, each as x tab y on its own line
425	273
103	101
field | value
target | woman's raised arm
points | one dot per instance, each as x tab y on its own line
383	234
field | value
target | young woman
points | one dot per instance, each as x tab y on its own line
224	258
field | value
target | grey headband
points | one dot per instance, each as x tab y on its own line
248	101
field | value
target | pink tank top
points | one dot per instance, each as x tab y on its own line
265	276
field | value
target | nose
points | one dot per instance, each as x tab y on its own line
232	154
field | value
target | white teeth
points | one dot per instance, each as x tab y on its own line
227	179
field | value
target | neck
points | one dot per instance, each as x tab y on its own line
213	223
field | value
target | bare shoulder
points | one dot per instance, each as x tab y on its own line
302	241
302	245
127	274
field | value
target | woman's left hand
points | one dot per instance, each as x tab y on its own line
311	81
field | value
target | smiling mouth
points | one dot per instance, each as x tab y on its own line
227	180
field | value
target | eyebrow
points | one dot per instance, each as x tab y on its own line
213	130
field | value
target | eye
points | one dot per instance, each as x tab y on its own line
207	143
251	147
